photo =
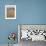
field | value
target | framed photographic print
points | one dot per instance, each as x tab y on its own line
10	11
33	32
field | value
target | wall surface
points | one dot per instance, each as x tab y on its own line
27	12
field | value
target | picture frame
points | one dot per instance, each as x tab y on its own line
10	11
39	28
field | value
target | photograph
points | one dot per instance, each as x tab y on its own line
10	11
28	33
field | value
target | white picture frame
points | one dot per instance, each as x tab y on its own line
33	27
6	11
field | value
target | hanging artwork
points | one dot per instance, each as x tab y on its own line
10	11
32	32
